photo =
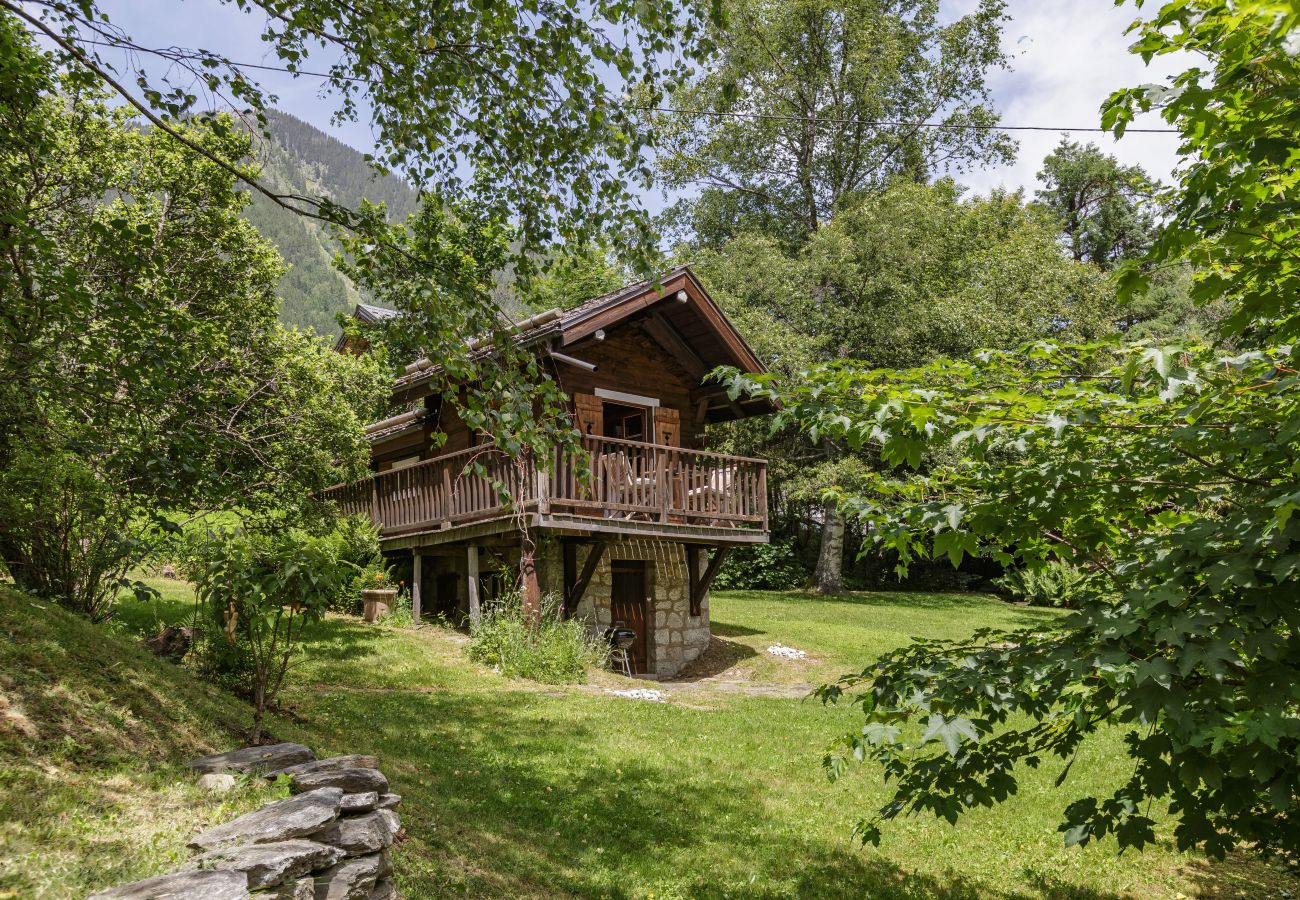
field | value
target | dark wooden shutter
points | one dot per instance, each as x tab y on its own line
587	411
668	426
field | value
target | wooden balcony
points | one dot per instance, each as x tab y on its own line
629	487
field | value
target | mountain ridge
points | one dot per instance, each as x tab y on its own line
300	158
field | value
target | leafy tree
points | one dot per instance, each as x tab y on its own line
900	278
141	366
528	94
575	276
261	591
513	109
810	104
1106	210
1166	475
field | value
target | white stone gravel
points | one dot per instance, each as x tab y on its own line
641	694
786	652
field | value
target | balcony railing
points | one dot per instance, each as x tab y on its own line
624	480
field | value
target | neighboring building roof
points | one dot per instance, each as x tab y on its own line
373	314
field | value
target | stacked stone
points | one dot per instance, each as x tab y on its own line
329	841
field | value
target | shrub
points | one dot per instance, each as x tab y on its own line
262	589
399	613
762	567
357	540
555	650
1052	585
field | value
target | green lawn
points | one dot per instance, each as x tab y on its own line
518	789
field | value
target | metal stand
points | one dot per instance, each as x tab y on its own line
618	659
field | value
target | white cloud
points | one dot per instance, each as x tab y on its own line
1067	57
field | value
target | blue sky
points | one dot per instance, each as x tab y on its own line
1068	55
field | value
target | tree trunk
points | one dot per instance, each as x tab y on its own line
829	577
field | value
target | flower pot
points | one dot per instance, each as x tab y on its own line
376	604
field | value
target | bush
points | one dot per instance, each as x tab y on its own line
1052	585
357	541
256	592
554	651
762	567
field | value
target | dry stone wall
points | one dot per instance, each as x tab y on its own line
329	840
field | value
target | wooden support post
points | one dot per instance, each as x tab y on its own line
569	552
693	575
700	588
415	586
574	595
471	586
532	588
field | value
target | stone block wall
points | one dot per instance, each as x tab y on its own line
677	637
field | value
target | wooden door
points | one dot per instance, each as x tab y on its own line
628	604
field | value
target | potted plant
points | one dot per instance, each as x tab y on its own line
377	592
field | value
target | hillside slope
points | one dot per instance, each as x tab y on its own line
302	159
94	733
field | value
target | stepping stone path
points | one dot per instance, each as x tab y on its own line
329	841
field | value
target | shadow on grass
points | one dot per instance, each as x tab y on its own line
944	602
511	797
717	658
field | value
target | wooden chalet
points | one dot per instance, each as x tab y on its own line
641	541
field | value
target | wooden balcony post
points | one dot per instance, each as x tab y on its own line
542	477
446	495
762	492
471	587
374	501
415	586
532	587
661	481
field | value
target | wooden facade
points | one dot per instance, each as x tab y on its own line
645	496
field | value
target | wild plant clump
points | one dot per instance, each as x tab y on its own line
1055	584
552	650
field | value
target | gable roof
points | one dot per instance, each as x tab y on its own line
675	308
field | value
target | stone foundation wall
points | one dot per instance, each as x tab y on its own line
677	637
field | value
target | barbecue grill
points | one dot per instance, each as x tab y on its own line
620	639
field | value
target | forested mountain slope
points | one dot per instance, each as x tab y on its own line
303	159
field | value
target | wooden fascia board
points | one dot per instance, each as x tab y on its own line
699	300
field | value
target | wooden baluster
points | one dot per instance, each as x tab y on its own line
661	474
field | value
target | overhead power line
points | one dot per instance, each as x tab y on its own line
703	113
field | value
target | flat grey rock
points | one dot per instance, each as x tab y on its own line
385	865
351	781
388	801
267	865
249	759
217	885
355	761
358	835
301	889
352	879
293	817
217	782
359	803
384	889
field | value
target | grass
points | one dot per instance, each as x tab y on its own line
518	789
843	633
